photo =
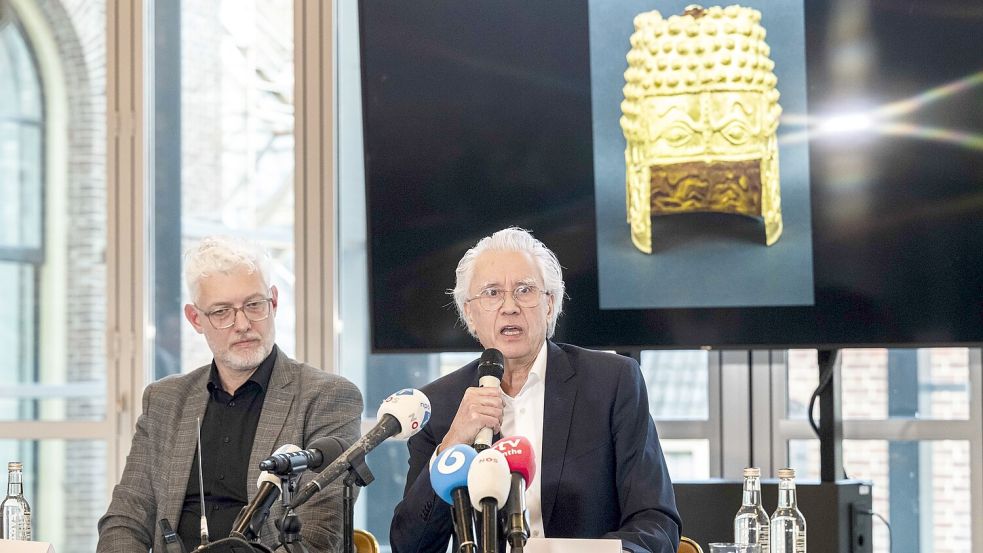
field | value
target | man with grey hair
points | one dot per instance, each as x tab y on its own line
250	399
601	472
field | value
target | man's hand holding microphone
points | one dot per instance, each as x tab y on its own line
479	417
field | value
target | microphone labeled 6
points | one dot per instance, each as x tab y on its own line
451	461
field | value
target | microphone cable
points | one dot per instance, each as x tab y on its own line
825	379
234	540
890	539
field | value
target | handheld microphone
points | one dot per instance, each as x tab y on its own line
449	478
522	464
321	451
488	485
491	368
401	415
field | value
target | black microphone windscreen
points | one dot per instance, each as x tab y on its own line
331	447
492	363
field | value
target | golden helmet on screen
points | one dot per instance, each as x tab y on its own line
700	118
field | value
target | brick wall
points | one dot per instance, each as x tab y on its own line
79	30
943	381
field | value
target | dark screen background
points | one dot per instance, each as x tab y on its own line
477	117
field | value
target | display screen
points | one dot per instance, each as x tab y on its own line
769	174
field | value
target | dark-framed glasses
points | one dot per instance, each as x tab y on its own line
225	316
525	295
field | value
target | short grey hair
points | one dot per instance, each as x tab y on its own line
512	239
224	254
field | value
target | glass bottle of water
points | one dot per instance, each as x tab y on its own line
788	526
751	524
16	511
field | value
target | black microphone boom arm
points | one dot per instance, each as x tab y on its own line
388	426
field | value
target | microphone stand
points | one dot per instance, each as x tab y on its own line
489	526
358	474
290	524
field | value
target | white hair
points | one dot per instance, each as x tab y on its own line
512	239
223	254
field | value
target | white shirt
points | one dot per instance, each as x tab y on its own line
524	417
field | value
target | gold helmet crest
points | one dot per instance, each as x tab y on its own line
700	117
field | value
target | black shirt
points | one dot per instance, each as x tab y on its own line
227	433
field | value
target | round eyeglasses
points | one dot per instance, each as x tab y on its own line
225	316
525	295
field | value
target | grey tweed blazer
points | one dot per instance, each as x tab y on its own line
302	404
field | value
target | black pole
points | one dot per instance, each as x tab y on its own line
348	524
463	518
515	529
830	416
358	475
489	525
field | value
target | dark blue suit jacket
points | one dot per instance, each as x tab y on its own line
603	472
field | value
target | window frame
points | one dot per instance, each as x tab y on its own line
54	435
27	257
782	430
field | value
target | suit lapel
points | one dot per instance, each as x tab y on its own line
186	443
561	394
279	397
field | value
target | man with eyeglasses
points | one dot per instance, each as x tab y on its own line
601	471
251	399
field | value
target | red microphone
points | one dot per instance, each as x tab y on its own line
522	464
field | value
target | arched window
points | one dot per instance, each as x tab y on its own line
21	211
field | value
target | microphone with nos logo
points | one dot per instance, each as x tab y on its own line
449	478
488	485
522	464
491	368
401	415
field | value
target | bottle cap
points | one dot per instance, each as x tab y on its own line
752	471
786	473
15	465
